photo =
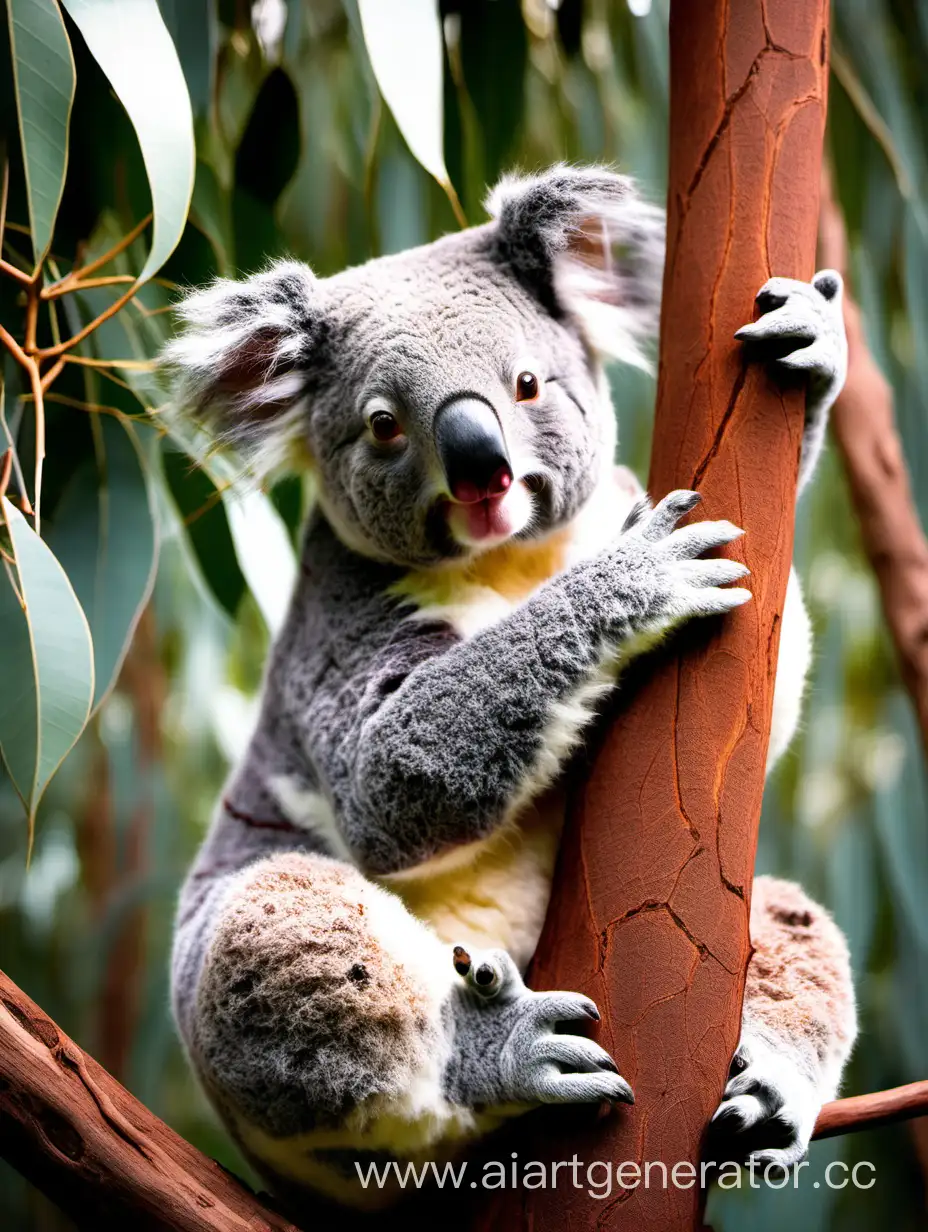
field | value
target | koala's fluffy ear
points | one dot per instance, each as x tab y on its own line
585	243
242	361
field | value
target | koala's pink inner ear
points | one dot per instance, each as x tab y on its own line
248	368
591	247
589	242
249	363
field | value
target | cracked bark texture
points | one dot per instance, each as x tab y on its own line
90	1146
650	907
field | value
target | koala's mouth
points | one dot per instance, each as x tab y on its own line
485	523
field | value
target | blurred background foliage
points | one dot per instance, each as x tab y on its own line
296	152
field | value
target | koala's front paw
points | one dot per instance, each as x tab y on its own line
769	1107
693	586
801	329
506	1036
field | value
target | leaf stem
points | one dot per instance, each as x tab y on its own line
53	352
66	283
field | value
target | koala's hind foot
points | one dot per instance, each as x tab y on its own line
797	1032
506	1048
770	1103
331	1028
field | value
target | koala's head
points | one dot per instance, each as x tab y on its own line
450	397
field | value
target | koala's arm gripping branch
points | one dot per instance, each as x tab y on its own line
650	908
445	756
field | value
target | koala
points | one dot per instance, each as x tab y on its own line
475	574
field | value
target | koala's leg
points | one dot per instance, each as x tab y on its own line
328	1024
797	1032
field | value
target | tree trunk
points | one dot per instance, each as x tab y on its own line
651	901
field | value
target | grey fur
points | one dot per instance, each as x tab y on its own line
411	739
505	1049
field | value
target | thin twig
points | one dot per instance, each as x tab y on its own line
52	373
92	266
152	312
53	352
20	275
96	408
133	365
38	392
13	347
67	285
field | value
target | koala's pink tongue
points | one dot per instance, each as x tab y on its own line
488	518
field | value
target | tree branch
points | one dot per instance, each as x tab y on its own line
858	1112
94	1150
865	432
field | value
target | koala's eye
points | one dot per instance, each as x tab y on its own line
526	386
384	426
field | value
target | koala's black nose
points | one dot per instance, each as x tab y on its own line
472	451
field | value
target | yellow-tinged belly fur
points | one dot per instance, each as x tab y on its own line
494	893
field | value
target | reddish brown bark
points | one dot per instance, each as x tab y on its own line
864	429
650	908
90	1146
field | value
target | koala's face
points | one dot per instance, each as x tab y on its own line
451	397
453	412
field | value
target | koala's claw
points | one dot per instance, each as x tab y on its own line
569	1069
768	1109
547	1067
695	584
801	329
536	1063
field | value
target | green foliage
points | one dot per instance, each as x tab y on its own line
296	151
48	660
44	75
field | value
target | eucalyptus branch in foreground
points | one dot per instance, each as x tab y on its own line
94	1150
858	1112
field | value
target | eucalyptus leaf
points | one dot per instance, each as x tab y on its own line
404	42
48	684
131	43
43	74
103	533
265	553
